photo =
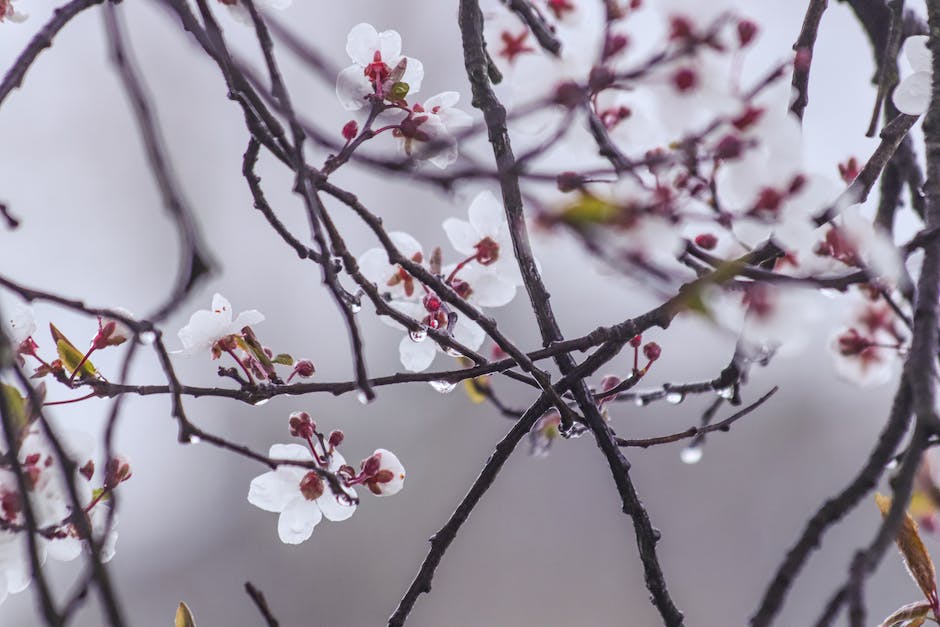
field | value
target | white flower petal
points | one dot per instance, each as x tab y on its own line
389	45
64	549
406	244
912	96
462	236
333	509
247	318
293	452
296	522
416	356
486	214
455	119
414	74
22	324
918	54
492	290
352	88
446	155
444	100
361	44
273	490
468	333
221	307
389	461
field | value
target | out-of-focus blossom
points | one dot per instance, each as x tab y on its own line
912	95
428	131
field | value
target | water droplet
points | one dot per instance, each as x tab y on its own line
444	387
726	393
418	336
691	455
260	402
639	401
657	534
194	439
147	337
363	398
674	398
453	352
355	307
892	464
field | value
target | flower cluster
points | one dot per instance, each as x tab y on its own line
381	77
60	537
487	276
313	480
214	331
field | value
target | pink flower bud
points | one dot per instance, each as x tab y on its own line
706	241
569	181
636	340
371	465
301	426
747	30
336	438
117	471
730	147
652	351
350	130
684	79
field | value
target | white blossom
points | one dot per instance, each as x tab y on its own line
206	327
912	95
376	58
280	491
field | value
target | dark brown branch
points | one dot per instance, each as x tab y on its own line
803	47
691	432
835	508
42	40
195	261
257	597
542	30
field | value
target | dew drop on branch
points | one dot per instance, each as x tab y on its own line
363	398
260	402
726	393
674	398
639	401
147	337
418	336
691	455
444	387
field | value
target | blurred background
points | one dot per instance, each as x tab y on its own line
548	544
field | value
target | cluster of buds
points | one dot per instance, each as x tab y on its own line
71	363
651	351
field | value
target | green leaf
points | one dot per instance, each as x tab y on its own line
184	616
16	405
249	342
70	355
589	210
398	91
283	359
915	612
